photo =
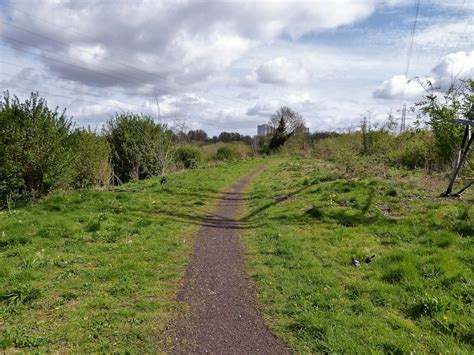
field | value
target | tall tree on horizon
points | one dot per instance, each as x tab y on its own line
285	123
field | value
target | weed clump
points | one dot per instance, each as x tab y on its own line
92	226
428	307
314	212
392	192
22	294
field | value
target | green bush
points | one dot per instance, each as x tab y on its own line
91	159
139	147
209	151
35	148
228	154
413	150
440	112
187	157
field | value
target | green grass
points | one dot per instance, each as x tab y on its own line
92	271
416	295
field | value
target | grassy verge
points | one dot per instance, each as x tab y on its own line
98	270
416	294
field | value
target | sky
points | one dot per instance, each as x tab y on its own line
228	65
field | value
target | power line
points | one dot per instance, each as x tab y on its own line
60	61
65	88
79	66
66	96
430	14
451	32
463	34
413	30
407	68
68	79
114	61
82	67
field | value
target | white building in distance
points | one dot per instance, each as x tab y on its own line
264	130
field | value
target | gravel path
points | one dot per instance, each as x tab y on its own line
222	316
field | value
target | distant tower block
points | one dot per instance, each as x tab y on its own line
264	130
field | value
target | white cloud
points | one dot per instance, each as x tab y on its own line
262	109
398	87
212	61
247	96
300	98
186	41
282	70
453	67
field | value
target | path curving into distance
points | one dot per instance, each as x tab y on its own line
221	316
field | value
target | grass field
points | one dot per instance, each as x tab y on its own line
91	271
415	296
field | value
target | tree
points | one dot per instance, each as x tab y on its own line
279	135
227	137
441	110
164	149
180	127
197	136
285	123
367	137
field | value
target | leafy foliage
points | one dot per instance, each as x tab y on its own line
187	157
227	153
91	159
285	123
441	110
35	147
140	148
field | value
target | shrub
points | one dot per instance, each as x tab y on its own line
441	112
139	147
187	157
35	148
412	150
228	154
91	159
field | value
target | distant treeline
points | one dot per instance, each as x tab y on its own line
201	136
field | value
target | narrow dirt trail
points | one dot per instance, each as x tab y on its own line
222	317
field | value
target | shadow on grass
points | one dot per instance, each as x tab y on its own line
275	202
342	216
225	196
351	220
205	193
212	220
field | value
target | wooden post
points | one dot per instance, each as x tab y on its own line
463	152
